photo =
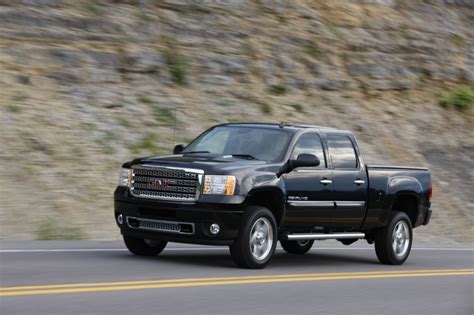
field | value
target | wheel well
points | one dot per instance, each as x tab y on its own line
272	200
408	204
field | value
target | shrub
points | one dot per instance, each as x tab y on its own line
313	51
278	89
53	230
265	108
176	67
298	107
461	98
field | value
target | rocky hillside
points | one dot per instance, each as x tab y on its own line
86	85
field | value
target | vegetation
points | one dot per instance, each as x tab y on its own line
461	98
164	116
265	108
458	41
52	230
298	107
13	108
176	67
148	143
313	51
278	89
333	29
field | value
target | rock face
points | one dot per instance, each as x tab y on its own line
86	85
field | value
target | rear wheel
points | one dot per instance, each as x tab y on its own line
393	242
256	241
144	247
299	247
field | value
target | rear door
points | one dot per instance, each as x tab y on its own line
309	189
349	179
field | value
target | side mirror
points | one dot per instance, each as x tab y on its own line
178	148
305	160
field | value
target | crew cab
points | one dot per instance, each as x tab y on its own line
250	185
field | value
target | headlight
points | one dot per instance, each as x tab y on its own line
219	185
124	178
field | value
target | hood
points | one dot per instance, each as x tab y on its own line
210	163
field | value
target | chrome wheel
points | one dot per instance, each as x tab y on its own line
261	238
400	239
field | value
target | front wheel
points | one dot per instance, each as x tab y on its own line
144	247
393	242
257	238
299	247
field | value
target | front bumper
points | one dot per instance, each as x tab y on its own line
200	215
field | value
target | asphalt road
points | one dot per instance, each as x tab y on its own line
84	277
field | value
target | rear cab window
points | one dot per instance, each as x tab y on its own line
342	152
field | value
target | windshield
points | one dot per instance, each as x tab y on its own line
241	141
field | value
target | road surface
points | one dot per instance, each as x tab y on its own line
90	277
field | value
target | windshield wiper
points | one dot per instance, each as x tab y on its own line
244	156
191	152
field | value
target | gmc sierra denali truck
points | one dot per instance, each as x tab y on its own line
250	185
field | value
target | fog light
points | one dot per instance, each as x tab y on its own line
214	228
120	219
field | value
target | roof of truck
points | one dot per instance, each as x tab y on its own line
281	125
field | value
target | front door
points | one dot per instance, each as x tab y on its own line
309	189
349	180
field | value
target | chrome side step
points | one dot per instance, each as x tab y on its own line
321	236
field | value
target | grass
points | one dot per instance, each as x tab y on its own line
162	115
461	98
278	89
457	41
333	29
314	51
298	108
282	18
13	108
92	7
176	66
145	17
265	108
148	143
53	230
146	100
104	141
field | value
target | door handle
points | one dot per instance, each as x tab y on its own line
359	182
326	181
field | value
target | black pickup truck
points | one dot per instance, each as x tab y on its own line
250	185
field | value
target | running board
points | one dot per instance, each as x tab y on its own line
320	236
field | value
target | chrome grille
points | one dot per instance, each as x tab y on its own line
166	183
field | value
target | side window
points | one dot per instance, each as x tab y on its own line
341	152
310	143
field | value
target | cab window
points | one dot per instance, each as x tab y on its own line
310	143
341	152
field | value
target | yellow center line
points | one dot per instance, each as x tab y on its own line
179	283
160	281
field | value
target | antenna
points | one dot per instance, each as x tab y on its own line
174	121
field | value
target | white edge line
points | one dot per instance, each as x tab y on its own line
65	250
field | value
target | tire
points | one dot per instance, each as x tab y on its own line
142	247
256	241
393	242
297	247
